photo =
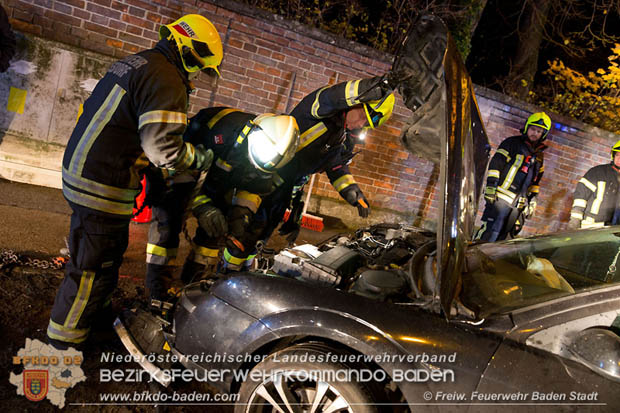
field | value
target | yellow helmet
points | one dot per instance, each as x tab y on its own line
197	40
272	141
540	119
379	111
615	148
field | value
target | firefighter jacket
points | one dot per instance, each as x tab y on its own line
596	196
323	144
225	131
137	113
516	169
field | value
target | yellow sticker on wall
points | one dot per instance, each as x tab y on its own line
17	100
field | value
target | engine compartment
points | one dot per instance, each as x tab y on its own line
385	262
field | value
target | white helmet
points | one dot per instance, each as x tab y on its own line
272	141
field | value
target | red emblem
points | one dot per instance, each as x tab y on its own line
35	384
219	139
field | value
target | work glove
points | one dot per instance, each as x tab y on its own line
490	194
574	223
521	203
290	229
354	196
211	220
239	220
203	158
529	209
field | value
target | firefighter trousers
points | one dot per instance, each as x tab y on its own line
96	244
494	220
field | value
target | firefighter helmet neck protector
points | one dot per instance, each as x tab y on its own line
540	119
272	141
197	41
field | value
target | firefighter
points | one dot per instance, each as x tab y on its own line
596	201
248	151
136	114
331	121
7	41
513	180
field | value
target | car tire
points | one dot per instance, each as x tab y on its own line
284	382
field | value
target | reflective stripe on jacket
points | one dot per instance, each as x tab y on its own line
137	113
596	196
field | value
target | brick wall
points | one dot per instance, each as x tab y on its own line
270	64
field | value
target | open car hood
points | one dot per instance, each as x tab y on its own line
446	127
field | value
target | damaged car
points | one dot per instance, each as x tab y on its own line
394	317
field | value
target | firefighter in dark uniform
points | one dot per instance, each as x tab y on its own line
248	150
331	120
136	115
513	180
596	200
7	41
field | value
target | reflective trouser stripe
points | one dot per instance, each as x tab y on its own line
342	182
248	200
160	255
83	294
205	255
61	333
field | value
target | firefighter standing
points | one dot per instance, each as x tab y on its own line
596	200
513	180
136	114
248	150
331	120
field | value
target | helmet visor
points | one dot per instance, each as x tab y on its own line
195	62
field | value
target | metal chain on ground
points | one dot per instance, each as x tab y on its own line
9	257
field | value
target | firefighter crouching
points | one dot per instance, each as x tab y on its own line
136	114
513	180
248	151
595	201
331	121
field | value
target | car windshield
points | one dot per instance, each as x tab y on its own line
503	276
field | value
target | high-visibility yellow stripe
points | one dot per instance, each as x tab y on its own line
99	204
161	116
248	200
600	194
106	191
505	153
219	116
81	299
243	134
187	159
580	203
311	135
505	197
314	111
161	251
512	172
534	189
577	215
205	251
493	173
71	335
200	200
590	223
94	128
351	92
588	184
342	182
232	259
222	164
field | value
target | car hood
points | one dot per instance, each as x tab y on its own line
446	128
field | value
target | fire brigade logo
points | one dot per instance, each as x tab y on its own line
35	384
219	139
185	29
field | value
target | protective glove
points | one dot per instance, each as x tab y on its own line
574	223
290	229
203	158
521	203
490	194
354	196
529	209
238	220
211	220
